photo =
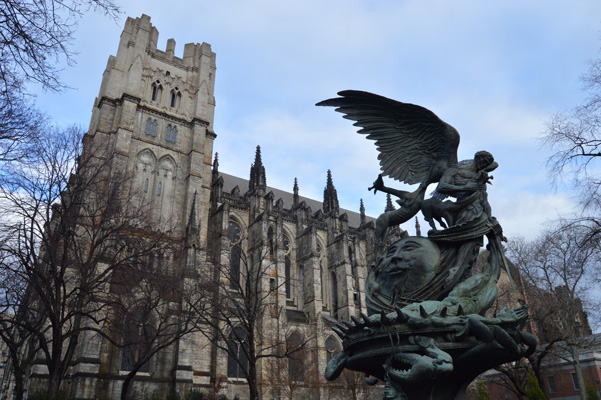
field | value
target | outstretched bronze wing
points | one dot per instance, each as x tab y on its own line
415	145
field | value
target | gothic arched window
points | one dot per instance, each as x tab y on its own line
334	294
157	90
168	133
153	132
173	134
148	126
176	97
146	173
300	289
270	238
332	347
322	277
237	360
297	357
353	262
234	234
137	340
287	267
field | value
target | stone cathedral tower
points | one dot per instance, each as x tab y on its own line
157	109
154	115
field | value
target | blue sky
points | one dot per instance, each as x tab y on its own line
495	70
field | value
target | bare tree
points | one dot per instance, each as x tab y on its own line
295	373
68	225
351	385
243	295
514	377
13	333
35	39
20	126
36	35
575	138
559	269
28	194
152	307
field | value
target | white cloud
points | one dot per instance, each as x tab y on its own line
525	214
495	70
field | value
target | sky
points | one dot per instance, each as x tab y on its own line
495	70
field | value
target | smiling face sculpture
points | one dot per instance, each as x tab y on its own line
407	266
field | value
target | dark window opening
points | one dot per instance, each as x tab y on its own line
237	360
287	267
154	128
271	241
168	133
334	294
136	342
297	358
287	276
575	382
175	98
551	383
234	235
332	347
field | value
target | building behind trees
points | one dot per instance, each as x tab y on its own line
154	115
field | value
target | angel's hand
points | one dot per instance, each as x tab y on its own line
378	184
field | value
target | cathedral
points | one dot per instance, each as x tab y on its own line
155	110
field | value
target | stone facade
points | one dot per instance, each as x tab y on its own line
155	112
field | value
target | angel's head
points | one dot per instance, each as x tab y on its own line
482	160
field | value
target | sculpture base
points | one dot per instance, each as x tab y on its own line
430	357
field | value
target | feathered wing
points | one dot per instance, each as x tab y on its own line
415	145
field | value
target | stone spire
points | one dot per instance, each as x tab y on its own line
215	169
330	196
389	205
362	212
418	229
295	197
257	173
193	221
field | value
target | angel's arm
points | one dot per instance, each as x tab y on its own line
379	185
448	187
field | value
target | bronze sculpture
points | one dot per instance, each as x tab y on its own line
425	334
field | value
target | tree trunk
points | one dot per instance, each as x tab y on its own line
127	385
18	371
254	390
578	371
18	374
54	383
252	378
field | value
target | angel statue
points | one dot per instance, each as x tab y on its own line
425	334
418	147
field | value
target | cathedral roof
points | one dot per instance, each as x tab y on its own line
230	182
